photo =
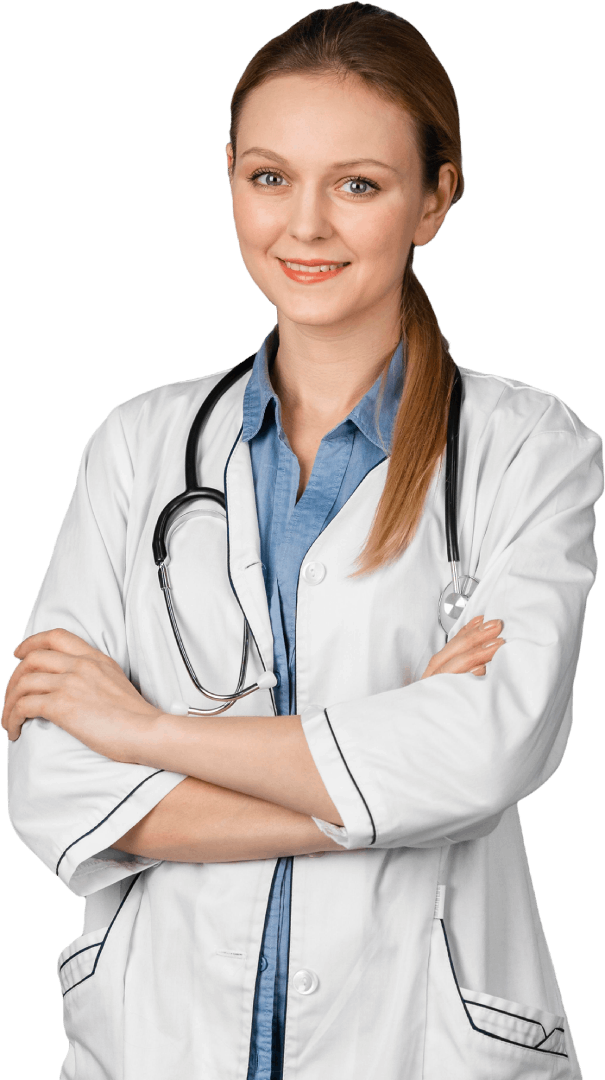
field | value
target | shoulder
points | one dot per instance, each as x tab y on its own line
517	409
163	402
158	412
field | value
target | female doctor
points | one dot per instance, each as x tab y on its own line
389	726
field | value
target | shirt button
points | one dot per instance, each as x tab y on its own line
264	963
305	981
314	572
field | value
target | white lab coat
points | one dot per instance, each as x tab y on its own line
427	945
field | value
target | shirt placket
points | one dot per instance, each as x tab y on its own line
304	524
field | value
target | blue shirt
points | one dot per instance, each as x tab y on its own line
287	530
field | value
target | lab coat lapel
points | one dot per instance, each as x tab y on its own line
245	566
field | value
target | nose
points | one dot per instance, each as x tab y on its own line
309	215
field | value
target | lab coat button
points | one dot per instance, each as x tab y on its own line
314	572
305	981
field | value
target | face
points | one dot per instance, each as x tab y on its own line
327	198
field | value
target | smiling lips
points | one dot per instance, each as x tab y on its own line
311	272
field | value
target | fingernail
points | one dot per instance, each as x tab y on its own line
492	624
477	619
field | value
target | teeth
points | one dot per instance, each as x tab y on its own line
313	269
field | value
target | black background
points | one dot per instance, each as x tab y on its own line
126	274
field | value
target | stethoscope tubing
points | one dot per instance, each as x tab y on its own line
451	477
194	491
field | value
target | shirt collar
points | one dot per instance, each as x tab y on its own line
374	415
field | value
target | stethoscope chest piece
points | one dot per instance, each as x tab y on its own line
453	601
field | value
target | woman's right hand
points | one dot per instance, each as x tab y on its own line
470	650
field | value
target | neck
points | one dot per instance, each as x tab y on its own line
323	372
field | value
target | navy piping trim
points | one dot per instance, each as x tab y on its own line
84	949
373	840
277	1055
233	589
490	1034
289	944
95	827
257	981
94	968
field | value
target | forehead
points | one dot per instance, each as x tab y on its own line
320	118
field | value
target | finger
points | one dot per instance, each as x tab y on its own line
38	660
46	660
58	640
462	634
474	624
480	633
466	640
33	682
462	663
27	708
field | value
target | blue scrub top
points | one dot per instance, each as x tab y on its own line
287	530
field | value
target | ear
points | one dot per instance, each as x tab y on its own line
436	205
229	150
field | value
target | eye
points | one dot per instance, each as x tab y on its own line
267	178
358	185
274	177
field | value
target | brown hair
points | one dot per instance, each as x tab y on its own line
394	59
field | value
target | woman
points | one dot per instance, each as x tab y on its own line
212	946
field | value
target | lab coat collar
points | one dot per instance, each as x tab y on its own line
243	553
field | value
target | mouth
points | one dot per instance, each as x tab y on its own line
313	271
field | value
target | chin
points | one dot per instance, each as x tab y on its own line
312	317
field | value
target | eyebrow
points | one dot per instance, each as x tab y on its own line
261	152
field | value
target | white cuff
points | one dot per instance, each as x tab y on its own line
358	829
335	832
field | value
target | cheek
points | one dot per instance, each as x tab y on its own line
257	224
381	239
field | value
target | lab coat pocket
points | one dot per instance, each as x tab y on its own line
91	1026
79	960
479	1036
91	972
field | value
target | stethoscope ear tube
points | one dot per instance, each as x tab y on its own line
227	381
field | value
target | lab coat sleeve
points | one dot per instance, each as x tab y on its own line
439	760
68	803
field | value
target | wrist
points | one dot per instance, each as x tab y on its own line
152	735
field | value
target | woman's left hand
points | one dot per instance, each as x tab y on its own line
63	679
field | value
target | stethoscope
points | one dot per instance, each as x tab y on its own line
452	601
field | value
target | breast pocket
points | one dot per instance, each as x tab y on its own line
474	1035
